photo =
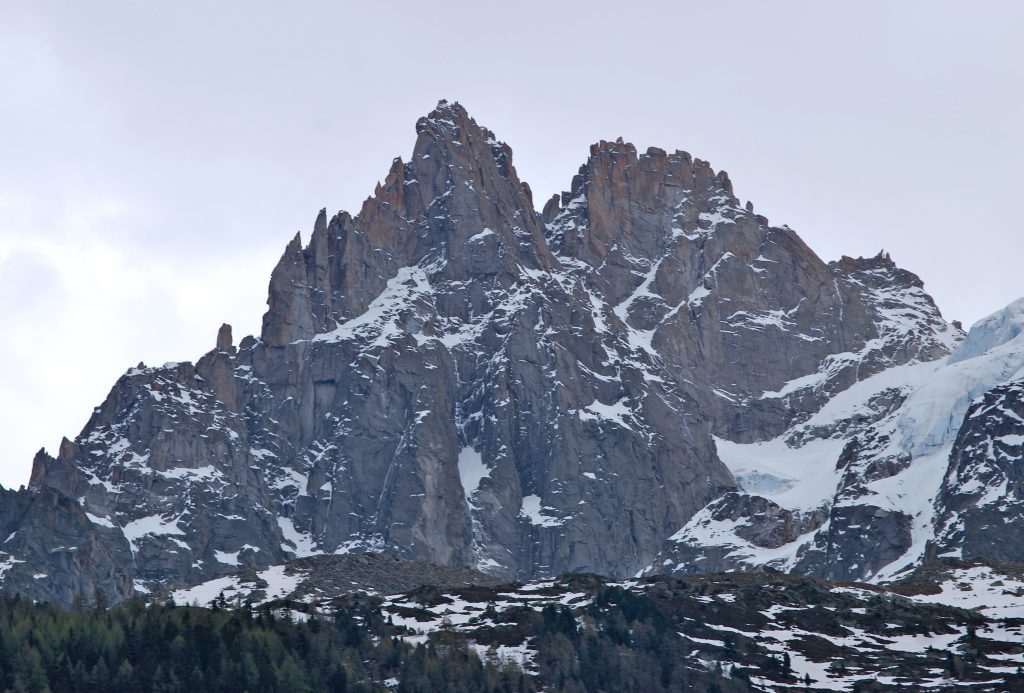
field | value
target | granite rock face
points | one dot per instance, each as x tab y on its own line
452	377
743	315
981	503
54	552
918	463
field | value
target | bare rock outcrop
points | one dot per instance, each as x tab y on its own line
452	377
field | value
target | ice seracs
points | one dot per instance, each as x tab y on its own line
1000	328
905	457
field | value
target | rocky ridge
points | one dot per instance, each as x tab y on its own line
646	375
925	458
318	578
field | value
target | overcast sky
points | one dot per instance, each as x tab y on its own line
155	157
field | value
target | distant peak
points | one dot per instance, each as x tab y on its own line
450	123
444	106
617	148
448	114
860	264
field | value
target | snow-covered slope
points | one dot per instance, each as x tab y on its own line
1002	327
882	475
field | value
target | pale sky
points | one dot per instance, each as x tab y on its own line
156	157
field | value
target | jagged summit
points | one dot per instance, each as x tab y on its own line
458	192
452	377
615	176
450	112
450	124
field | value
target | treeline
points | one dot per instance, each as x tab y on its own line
167	648
621	642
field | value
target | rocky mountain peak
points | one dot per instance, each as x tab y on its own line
449	126
903	310
224	339
40	464
881	261
458	192
447	115
635	203
449	376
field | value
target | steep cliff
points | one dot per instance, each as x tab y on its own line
452	377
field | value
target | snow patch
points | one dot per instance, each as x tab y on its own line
227	558
151	525
300	543
534	512
472	471
798	478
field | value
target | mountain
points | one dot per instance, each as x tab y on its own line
644	377
926	457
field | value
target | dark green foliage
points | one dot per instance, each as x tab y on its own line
167	648
623	644
619	642
559	620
